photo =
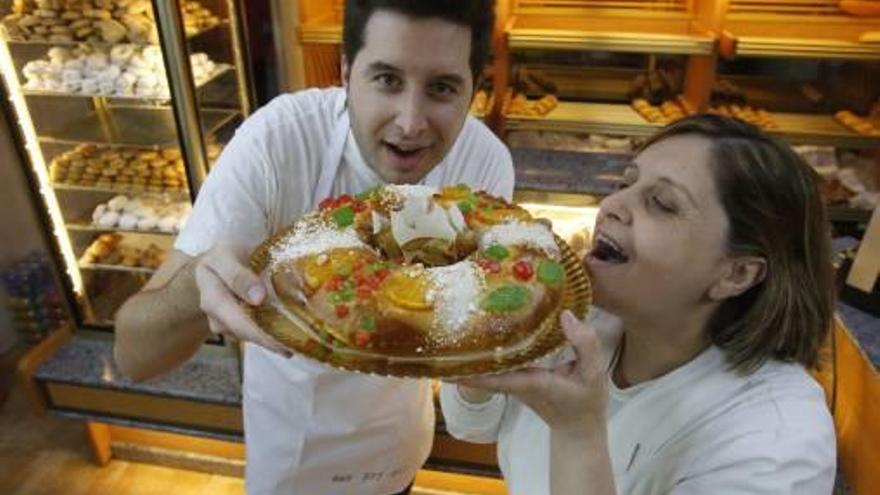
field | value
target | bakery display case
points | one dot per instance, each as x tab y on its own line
120	107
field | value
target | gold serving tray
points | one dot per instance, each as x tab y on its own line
301	332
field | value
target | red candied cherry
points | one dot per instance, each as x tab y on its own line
363	293
361	338
327	203
334	283
523	270
343	200
358	206
341	310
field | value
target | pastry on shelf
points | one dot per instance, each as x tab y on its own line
122	70
482	103
857	124
123	169
146	213
649	112
520	105
96	21
758	117
112	249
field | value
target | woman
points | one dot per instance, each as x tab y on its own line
714	260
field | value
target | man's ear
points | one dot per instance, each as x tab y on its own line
739	275
344	71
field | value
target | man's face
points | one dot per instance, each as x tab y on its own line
409	90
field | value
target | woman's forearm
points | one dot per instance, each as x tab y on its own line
580	463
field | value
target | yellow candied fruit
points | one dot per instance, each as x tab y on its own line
454	193
321	267
494	216
407	291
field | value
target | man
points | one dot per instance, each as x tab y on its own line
409	71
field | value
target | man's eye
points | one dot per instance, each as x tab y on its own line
389	81
442	89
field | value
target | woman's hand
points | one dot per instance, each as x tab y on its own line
571	397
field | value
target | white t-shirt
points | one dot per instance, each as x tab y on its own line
308	428
777	437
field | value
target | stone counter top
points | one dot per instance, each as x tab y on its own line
89	362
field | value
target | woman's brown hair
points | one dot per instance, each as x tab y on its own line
772	202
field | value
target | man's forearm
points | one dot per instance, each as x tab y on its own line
162	326
580	463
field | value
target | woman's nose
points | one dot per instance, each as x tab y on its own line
614	206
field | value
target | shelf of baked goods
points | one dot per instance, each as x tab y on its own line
129	126
669	34
124	253
123	71
642	119
816	29
117	170
828	130
97	22
568	116
150	214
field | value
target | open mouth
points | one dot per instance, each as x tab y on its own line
404	152
608	250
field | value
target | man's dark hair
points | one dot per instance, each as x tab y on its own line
478	15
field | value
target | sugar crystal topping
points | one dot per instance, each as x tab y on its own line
313	236
533	235
455	290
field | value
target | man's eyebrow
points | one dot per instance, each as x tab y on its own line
379	66
454	79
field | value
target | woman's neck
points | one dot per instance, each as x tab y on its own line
651	350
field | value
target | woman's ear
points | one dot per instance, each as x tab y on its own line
739	275
344	71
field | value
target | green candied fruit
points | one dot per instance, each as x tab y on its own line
343	217
368	323
550	272
468	204
369	193
342	296
497	252
506	298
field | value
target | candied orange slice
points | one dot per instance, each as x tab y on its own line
407	290
319	268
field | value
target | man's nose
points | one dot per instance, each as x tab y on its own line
411	115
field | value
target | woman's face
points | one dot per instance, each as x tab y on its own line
658	244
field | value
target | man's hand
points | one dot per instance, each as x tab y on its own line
571	397
225	284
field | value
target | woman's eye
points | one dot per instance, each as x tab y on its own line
662	204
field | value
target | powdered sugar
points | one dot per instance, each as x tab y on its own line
313	236
533	235
455	290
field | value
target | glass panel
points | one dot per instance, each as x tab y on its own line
96	111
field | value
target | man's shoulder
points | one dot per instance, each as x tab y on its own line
308	108
477	133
